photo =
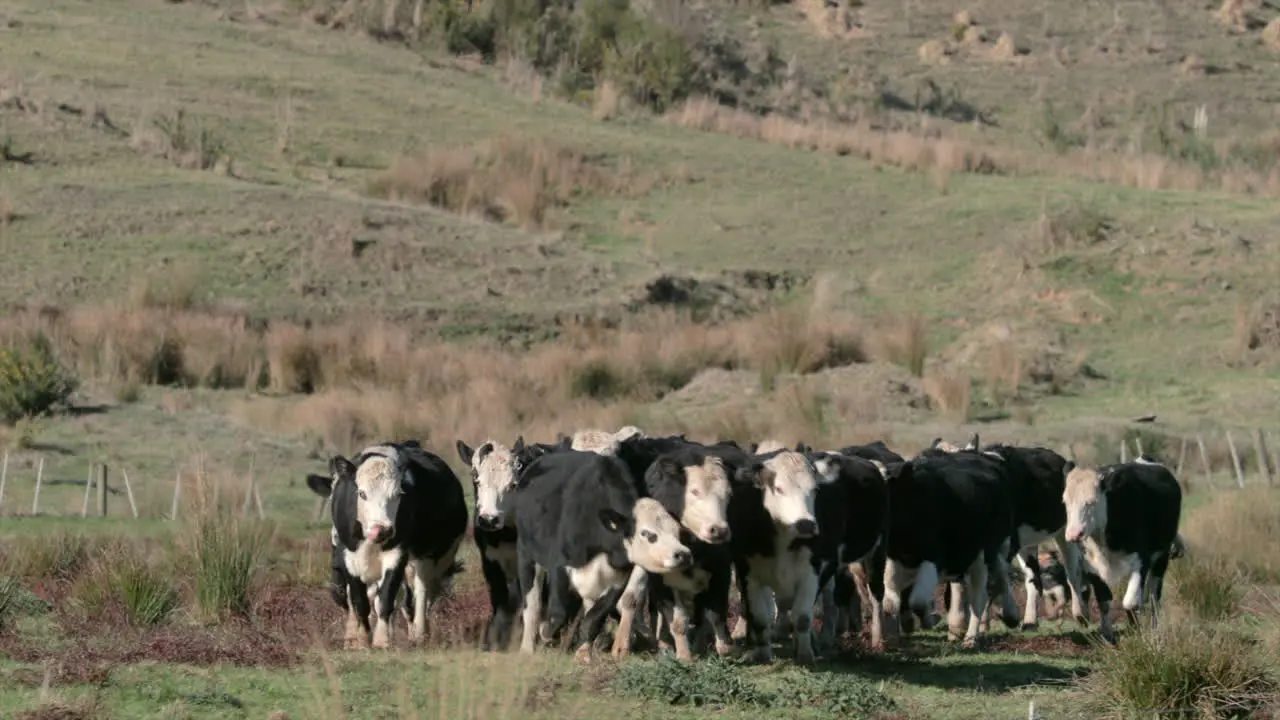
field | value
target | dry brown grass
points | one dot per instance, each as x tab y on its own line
510	178
606	101
917	151
1271	35
903	341
950	394
1242	526
7	213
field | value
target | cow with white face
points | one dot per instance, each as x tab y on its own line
393	505
583	527
1125	517
495	469
603	442
775	529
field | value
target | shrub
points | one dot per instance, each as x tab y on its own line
48	557
32	381
146	593
1207	585
9	591
1184	667
226	554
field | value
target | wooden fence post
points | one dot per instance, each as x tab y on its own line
177	492
35	501
1260	449
1204	460
1182	457
102	490
1235	460
88	487
128	488
1275	461
4	477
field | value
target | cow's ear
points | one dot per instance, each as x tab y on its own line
564	442
973	442
341	468
755	474
1068	467
936	442
754	447
614	521
483	451
320	484
466	453
519	446
668	466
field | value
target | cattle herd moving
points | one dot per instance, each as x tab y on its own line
611	524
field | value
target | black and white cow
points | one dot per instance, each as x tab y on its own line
1037	480
778	546
951	515
1125	517
495	469
857	487
694	484
394	504
583	528
876	451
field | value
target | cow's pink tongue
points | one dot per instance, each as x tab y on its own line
375	532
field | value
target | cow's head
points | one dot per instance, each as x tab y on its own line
650	535
789	483
767	446
705	502
1085	501
380	480
494	470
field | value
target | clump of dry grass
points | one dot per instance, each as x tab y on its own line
1271	35
510	178
904	341
950	394
606	101
1240	525
193	145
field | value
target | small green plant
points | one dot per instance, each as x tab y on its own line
32	381
49	557
226	555
9	590
1208	586
147	595
190	146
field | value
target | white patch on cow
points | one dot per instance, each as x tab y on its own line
533	610
1086	504
627	432
601	442
828	469
788	580
378	483
496	469
706	500
771	445
655	543
597	577
505	556
791	484
1113	566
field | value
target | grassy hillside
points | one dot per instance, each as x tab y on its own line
255	234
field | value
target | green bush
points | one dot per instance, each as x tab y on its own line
146	593
32	381
226	556
1208	585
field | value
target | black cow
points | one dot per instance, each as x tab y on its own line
876	451
857	487
950	515
584	527
393	505
1125	516
495	469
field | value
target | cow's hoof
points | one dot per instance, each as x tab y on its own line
583	654
969	643
1109	637
805	658
1082	621
929	620
1010	621
358	642
723	650
1030	627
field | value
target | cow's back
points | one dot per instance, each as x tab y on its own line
433	510
1036	475
1144	505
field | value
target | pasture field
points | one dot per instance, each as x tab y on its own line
238	237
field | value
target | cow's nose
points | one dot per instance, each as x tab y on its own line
683	558
718	533
379	533
806	528
489	522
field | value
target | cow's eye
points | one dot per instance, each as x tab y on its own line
649	536
363	495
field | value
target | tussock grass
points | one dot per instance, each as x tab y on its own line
226	555
1241	528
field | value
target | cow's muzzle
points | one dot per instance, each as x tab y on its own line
805	528
380	533
490	521
718	534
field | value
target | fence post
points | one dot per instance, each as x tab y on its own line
35	501
102	490
1275	461
1204	460
1182	457
88	487
1235	460
4	477
1124	451
128	488
1260	449
177	492
1137	443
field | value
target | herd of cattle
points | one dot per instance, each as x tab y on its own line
611	524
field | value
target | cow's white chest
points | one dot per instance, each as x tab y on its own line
505	557
691	581
783	572
368	562
593	580
1112	566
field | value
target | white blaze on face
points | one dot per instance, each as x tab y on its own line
655	543
790	486
378	496
706	500
496	468
628	432
1086	504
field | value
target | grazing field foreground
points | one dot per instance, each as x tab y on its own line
239	238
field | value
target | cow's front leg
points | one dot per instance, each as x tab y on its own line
830	613
1073	563
802	616
957	621
594	616
976	593
760	619
532	578
358	630
392	578
680	613
631	599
